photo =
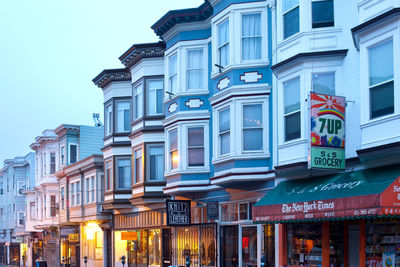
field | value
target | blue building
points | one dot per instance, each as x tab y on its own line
218	128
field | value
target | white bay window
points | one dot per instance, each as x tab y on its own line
108	119
195	146
223	43
195	69
224	131
173	74
251	36
138	101
252	127
155	90
291	98
123	116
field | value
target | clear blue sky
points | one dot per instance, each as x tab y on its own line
50	50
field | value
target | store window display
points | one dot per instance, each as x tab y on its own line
304	244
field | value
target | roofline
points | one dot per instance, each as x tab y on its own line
126	76
172	17
356	31
139	46
309	55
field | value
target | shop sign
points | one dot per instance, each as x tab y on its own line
73	237
128	235
212	210
67	231
327	139
178	212
374	261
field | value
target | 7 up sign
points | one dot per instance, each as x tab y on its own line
327	139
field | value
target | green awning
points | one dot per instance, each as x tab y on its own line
346	194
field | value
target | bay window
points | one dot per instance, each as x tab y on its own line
155	90
123	173
292	109
381	79
92	181
138	101
78	192
72	194
323	83
73	153
138	166
195	69
87	186
89	189
123	116
173	149
322	13
108	119
195	146
52	163
251	36
291	19
224	131
173	74
223	43
155	162
252	127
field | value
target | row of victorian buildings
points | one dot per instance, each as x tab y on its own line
255	133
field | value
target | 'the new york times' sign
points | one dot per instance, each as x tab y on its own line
178	212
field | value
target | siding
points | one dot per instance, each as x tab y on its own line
91	141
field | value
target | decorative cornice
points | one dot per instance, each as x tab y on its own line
193	26
173	17
356	31
139	51
66	128
111	75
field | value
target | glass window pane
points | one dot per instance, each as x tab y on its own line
196	136
195	59
251	25
138	166
289	4
223	33
305	239
124	174
382	100
252	115
156	155
324	83
251	36
292	126
196	156
123	116
138	101
291	22
322	14
225	143
252	139
154	97
224	120
173	139
243	211
174	159
292	95
249	246
195	79
381	63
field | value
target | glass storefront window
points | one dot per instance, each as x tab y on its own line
304	244
336	244
268	257
229	246
383	243
249	246
155	248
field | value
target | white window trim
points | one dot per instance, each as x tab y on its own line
117	173
107	122
183	166
72	194
147	92
19	213
69	152
236	133
367	42
180	49
89	191
62	200
136	116
234	14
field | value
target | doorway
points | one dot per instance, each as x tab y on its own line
229	246
354	240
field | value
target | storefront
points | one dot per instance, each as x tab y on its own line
69	246
92	243
143	239
241	240
348	219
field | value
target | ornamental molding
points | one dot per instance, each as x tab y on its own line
223	83
194	103
191	26
251	77
172	107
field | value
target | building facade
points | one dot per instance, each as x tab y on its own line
16	176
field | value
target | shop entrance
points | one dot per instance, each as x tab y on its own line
166	247
229	246
354	237
137	250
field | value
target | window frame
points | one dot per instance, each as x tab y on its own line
108	118
52	164
70	154
135	151
323	24
108	175
241	36
117	187
138	110
188	147
76	193
147	95
323	73
118	101
227	43
283	19
19	218
148	146
202	69
284	114
263	137
171	76
218	140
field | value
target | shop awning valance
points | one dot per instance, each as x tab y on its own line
357	194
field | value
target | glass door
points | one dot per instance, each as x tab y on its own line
229	246
249	246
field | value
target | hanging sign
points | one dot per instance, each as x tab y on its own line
73	237
327	139
178	212
212	210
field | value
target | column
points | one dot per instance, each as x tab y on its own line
105	247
